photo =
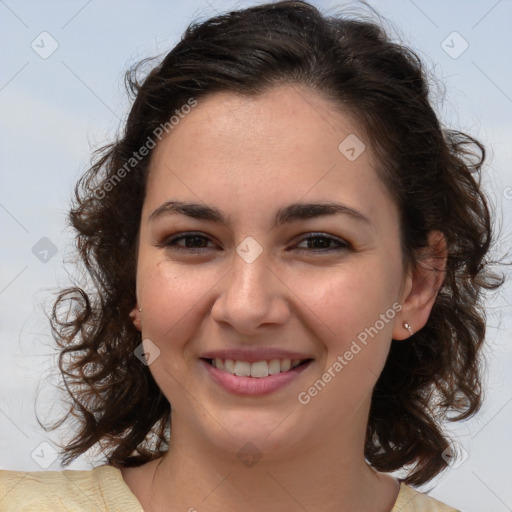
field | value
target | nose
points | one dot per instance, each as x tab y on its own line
251	296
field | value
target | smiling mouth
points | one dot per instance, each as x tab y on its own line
258	369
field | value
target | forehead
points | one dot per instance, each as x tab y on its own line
289	118
288	141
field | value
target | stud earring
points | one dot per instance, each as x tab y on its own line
408	327
140	310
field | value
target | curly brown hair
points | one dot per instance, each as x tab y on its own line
432	172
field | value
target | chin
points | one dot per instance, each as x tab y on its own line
254	434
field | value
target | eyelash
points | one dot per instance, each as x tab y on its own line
343	245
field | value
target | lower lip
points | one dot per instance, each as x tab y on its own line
253	385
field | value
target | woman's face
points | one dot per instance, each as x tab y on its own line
268	280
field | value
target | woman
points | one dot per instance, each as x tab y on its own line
287	252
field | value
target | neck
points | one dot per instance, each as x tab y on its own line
194	476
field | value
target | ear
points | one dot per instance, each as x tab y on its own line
422	283
135	317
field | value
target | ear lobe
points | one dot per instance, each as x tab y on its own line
424	281
135	317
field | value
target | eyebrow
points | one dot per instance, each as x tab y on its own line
290	213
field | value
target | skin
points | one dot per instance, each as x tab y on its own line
250	156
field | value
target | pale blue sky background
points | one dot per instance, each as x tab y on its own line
53	109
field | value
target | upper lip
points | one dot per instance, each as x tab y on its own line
253	356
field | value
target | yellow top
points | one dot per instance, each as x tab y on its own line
103	489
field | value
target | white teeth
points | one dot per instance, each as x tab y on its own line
286	364
242	368
258	369
274	366
229	366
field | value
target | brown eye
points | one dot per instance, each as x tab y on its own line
191	241
323	243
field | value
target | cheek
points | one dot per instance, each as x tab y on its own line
172	301
359	304
173	307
